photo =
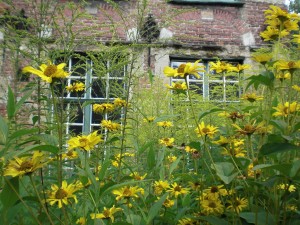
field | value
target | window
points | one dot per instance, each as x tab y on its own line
232	2
212	86
104	81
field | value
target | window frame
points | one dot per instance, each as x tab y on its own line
225	2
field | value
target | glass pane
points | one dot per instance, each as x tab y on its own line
97	118
74	112
78	67
60	88
232	92
196	87
75	130
216	91
116	88
98	88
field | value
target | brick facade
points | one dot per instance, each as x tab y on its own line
225	31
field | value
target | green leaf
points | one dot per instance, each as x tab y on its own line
273	148
151	76
9	194
295	168
296	127
20	103
213	220
225	171
3	130
207	112
47	139
260	218
121	223
154	210
265	78
151	158
11	104
22	132
174	165
280	124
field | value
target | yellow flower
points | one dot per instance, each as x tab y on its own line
233	115
262	58
286	109
208	130
237	204
71	154
149	119
128	192
214	192
292	208
289	188
188	221
287	65
77	86
296	38
177	86
120	102
296	87
118	158
61	195
110	126
108	213
220	66
48	72
81	221
239	67
212	206
176	190
273	33
168	203
137	176
103	108
171	158
85	142
223	141
252	97
276	13
165	124
25	165
235	152
184	70
188	149
283	75
160	186
168	142
247	129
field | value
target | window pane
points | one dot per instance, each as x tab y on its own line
98	88
78	67
74	130
116	88
232	92
74	113
97	118
216	91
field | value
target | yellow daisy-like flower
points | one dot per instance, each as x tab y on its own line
103	108
188	221
296	87
118	158
296	38
128	192
214	192
176	190
85	142
247	129
262	58
48	72
120	102
220	66
81	221
252	97
137	176
168	142
177	86
276	13
239	68
160	186
273	33
184	70
71	154
165	124
77	86
286	109
206	130
168	203
25	165
212	206
149	119
223	141
290	66
235	152
108	213
110	126
62	195
189	149
289	188
171	158
283	75
237	205
292	208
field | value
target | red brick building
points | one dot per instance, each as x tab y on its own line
182	31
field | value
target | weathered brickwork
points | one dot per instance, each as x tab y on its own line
225	31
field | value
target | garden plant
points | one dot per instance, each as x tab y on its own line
178	161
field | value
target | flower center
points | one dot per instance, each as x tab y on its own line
50	70
181	68
69	153
26	165
127	192
106	213
177	188
205	130
83	141
291	64
214	189
212	205
60	194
